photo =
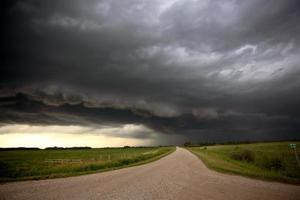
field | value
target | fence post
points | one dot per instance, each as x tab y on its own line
297	158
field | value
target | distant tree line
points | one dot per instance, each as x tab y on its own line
60	148
35	148
199	144
19	148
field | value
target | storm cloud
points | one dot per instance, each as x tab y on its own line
195	70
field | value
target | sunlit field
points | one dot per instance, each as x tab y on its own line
39	164
270	161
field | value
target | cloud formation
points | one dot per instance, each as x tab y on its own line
194	69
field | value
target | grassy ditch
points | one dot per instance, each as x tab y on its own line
268	161
41	164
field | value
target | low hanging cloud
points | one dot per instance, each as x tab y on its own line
187	69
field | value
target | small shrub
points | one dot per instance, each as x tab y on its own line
125	161
91	167
245	155
187	144
4	169
274	163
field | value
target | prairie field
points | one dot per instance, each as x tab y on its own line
274	161
51	163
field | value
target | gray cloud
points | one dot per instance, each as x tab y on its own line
194	69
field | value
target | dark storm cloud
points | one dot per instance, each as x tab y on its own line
200	69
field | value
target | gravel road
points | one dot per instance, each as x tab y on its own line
180	175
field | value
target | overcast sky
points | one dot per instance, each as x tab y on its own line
156	72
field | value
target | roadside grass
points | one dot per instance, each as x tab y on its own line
18	165
268	161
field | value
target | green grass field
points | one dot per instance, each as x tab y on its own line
268	161
39	164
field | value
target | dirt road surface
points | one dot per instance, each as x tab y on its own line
180	175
